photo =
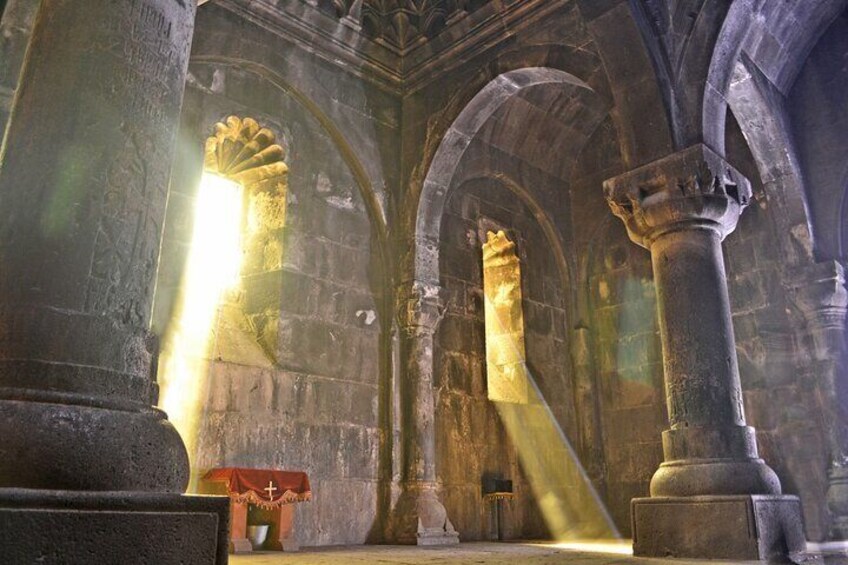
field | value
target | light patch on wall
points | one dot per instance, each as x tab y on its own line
505	355
341	203
213	266
367	317
571	507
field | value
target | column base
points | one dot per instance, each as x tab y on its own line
837	503
50	443
829	552
743	527
838	529
420	518
64	527
687	478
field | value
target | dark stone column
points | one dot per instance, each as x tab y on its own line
820	295
418	516
83	187
681	208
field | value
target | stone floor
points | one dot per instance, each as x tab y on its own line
464	554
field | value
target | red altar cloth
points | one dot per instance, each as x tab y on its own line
251	485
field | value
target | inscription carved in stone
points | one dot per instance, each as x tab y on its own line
137	61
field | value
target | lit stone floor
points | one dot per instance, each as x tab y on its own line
464	554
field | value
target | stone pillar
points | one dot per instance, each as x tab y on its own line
712	484
83	187
419	517
820	294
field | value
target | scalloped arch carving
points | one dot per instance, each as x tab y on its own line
244	152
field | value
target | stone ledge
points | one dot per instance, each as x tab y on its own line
747	527
67	527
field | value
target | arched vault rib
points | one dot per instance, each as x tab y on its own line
440	178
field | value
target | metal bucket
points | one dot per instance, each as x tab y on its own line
257	534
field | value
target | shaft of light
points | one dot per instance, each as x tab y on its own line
212	267
566	497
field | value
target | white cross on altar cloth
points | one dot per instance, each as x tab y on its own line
270	488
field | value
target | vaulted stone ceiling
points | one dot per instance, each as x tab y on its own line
400	44
401	24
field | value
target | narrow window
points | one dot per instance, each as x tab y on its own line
506	367
239	215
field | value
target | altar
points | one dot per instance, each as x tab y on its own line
272	494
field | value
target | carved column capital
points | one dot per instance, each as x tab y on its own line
819	293
420	307
691	188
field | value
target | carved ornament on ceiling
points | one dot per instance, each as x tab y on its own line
400	24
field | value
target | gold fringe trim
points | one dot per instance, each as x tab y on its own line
288	497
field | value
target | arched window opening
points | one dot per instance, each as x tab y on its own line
568	502
506	369
239	214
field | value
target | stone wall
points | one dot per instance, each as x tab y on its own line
513	146
472	443
616	280
308	399
783	398
818	105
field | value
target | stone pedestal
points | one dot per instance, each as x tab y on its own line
418	516
718	527
837	502
83	184
681	208
61	527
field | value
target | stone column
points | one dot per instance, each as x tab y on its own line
418	516
820	294
681	208
83	187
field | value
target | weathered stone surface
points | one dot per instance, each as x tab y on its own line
56	527
465	415
361	124
80	244
314	405
418	516
681	208
80	241
819	118
718	527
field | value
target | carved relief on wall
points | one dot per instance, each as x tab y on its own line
403	23
506	366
